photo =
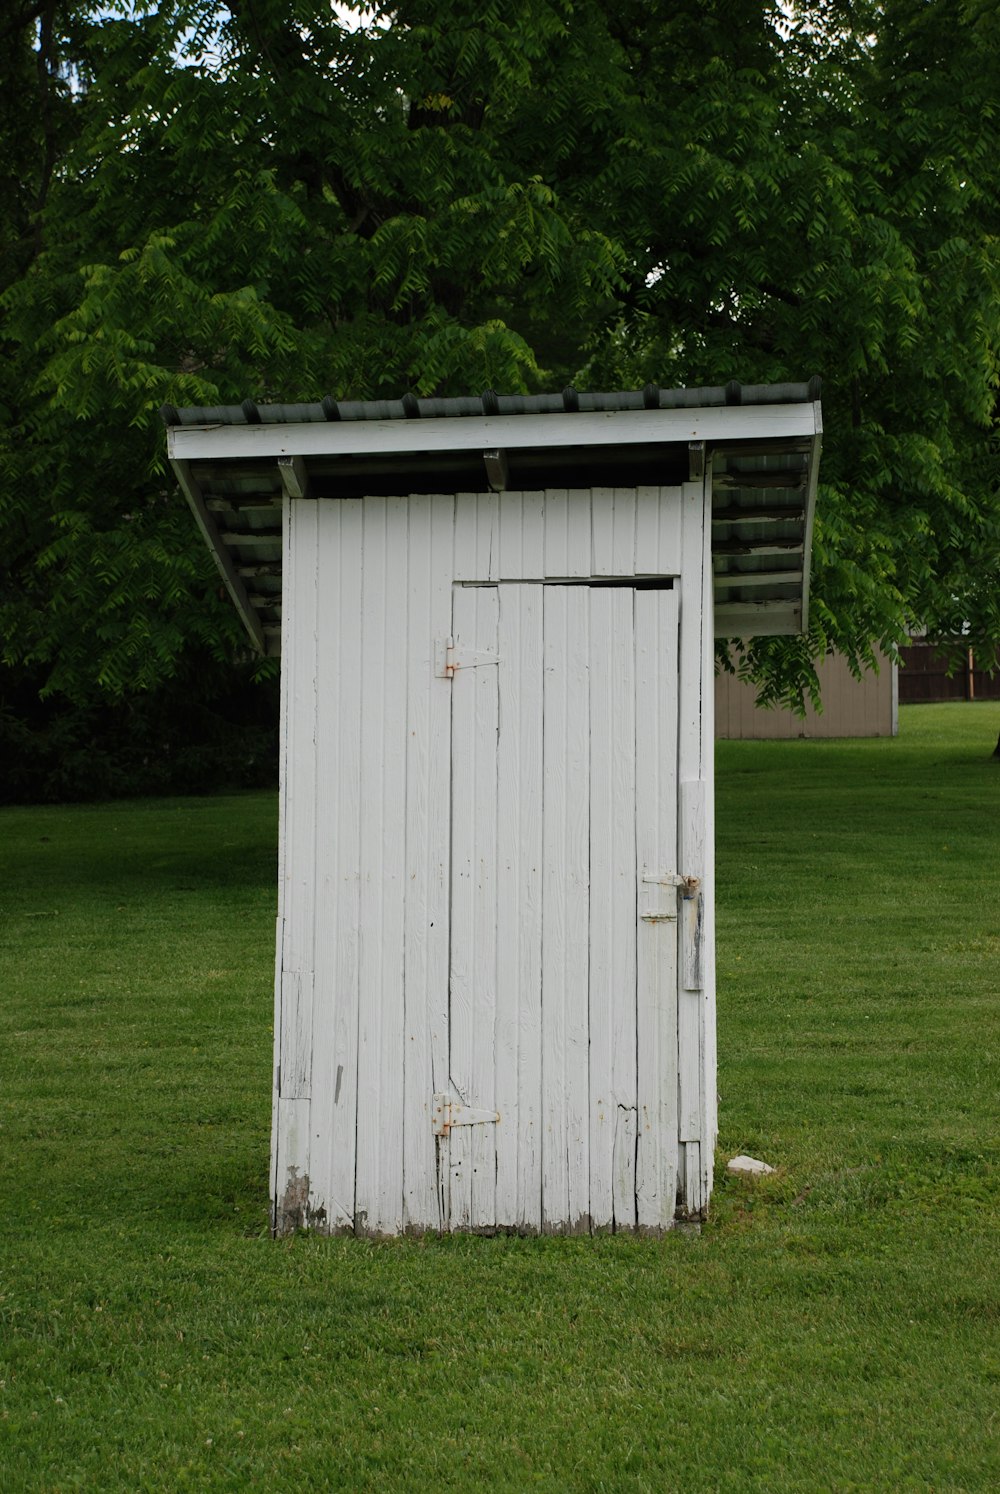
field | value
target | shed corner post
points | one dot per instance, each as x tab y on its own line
697	1107
290	1115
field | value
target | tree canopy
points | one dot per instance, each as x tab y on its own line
277	199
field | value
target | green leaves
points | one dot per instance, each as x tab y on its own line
210	202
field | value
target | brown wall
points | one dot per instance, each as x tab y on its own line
851	708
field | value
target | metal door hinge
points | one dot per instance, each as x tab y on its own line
448	1112
448	658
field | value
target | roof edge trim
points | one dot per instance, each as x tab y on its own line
387	438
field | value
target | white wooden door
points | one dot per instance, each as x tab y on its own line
563	917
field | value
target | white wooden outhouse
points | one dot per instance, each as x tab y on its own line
495	974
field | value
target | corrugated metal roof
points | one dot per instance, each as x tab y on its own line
409	407
763	477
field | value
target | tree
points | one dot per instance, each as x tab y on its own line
831	205
253	200
275	200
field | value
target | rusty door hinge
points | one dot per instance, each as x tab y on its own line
448	1112
448	658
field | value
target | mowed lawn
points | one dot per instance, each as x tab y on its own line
833	1327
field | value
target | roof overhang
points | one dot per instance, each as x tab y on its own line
236	465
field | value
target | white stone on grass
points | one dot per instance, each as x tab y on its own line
747	1167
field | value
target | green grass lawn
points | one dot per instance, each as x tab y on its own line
833	1327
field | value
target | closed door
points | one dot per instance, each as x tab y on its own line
562	1039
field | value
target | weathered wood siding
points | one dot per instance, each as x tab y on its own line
469	896
851	708
698	1122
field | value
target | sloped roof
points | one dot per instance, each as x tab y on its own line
235	464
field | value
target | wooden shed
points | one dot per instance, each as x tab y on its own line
495	974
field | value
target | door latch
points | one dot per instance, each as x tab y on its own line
688	887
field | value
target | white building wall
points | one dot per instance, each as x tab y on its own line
411	932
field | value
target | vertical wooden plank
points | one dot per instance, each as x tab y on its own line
710	1099
443	519
657	532
293	1200
284	749
477	537
709	1081
509	927
344	707
273	1170
370	863
533	536
511	567
300	885
464	550
696	1014
519	909
691	921
522	536
695	1196
566	517
298	872
565	900
603	886
623	554
647	532
579	536
622	840
488	537
379	1199
602	510
695	627
334	1119
656	852
693	821
394	707
461	974
419	1193
425	1066
297	987
475	701
612	975
556	521
482	1078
